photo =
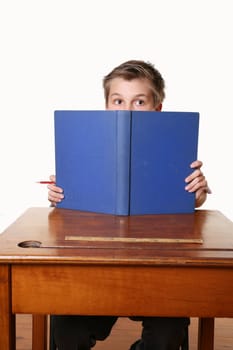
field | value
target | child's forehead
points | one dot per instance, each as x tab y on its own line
137	86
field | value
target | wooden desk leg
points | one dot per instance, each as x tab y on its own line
39	332
206	334
7	319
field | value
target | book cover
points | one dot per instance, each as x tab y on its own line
125	162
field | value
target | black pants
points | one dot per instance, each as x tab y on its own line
82	332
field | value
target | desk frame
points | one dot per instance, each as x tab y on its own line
30	283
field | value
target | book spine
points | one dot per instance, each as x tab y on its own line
123	121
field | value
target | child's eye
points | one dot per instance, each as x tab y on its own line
117	102
139	102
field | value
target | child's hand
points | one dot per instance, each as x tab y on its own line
55	194
196	182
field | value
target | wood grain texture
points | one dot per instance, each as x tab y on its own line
7	319
48	227
56	276
103	289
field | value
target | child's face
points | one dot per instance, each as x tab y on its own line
133	94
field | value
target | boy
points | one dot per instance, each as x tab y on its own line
134	85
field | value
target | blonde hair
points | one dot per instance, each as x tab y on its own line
137	69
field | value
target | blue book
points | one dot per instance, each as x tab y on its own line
125	162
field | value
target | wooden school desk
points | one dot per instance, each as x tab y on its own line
58	261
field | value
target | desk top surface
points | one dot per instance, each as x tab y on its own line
51	235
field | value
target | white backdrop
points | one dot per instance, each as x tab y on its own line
54	54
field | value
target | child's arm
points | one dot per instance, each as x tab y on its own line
196	182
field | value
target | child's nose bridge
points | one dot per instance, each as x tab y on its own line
129	105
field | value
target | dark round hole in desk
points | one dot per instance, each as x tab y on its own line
30	244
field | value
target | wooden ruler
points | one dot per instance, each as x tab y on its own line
133	239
